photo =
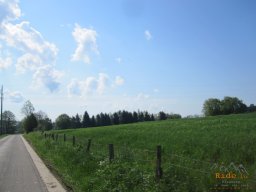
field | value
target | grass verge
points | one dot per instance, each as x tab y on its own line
193	151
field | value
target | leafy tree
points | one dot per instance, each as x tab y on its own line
9	122
231	105
162	115
63	121
212	107
226	106
251	108
29	123
174	116
44	122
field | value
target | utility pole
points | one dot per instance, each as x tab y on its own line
2	109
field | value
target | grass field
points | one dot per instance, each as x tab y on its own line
193	151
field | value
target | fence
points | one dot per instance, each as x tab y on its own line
157	159
161	161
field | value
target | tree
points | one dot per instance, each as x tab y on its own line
63	121
86	122
44	122
9	122
93	121
231	105
212	107
27	108
152	117
141	116
78	123
226	106
174	116
135	116
98	120
115	119
162	115
29	123
251	108
147	116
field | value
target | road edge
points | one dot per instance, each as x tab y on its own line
52	184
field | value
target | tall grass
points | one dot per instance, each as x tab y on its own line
190	148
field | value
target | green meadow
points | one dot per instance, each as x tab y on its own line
193	151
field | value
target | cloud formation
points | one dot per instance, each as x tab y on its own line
93	85
37	55
47	76
9	10
88	86
5	62
86	44
15	96
148	35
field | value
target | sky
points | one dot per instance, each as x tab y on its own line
104	56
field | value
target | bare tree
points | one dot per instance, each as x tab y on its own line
27	108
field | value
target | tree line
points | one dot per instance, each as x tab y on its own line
103	119
40	121
228	105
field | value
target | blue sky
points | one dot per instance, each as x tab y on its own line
103	56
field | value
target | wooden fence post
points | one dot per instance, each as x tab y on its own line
111	152
64	137
88	145
74	140
159	171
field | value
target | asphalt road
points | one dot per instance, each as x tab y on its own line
17	170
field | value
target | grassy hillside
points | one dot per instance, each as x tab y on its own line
193	151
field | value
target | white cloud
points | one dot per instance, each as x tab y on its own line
89	85
103	82
5	63
9	10
37	55
119	81
86	44
47	76
28	62
148	35
26	39
83	87
15	96
92	85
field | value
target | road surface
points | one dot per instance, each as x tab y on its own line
17	170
